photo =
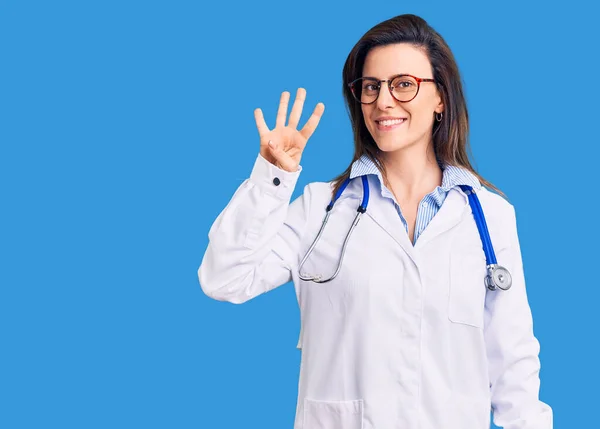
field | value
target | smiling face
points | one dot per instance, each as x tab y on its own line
383	62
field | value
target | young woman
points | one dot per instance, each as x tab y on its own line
407	319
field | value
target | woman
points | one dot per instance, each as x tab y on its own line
405	333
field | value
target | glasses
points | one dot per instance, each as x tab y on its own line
403	87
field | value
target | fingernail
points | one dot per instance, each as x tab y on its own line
271	144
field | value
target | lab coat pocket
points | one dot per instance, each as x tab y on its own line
333	414
467	286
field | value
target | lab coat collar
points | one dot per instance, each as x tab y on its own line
452	175
382	211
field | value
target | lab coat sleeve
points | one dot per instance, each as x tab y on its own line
513	349
253	243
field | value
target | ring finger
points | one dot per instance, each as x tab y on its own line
282	111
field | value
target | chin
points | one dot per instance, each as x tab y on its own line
389	145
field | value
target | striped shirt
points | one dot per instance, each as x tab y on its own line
430	204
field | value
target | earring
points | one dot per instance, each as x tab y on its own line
440	118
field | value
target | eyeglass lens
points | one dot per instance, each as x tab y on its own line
366	90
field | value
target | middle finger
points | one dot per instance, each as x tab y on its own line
297	108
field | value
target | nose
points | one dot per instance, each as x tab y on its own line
385	98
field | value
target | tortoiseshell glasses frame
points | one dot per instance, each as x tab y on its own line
353	87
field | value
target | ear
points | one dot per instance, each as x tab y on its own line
440	104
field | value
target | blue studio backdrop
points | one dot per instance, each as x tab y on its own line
126	127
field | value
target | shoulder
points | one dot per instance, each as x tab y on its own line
316	197
499	214
495	202
494	205
318	193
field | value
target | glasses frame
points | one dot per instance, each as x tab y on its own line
351	85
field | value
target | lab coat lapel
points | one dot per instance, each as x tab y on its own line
454	207
382	211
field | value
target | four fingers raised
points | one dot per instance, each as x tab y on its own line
309	127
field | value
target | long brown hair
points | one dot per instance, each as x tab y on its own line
450	135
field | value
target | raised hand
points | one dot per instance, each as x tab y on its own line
287	142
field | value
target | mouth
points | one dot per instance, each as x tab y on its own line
390	124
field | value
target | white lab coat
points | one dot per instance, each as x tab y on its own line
404	337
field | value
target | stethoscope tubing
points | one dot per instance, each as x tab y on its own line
496	274
361	209
481	224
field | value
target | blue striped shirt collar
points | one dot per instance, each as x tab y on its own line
451	175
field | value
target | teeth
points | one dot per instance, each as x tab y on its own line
387	123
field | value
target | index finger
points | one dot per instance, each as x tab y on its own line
313	121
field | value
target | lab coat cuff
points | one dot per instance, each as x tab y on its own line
273	180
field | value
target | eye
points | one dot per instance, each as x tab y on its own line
404	85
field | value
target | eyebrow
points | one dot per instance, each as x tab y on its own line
394	75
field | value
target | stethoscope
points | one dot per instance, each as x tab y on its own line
497	276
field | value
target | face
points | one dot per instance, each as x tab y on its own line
384	62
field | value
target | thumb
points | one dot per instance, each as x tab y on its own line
283	160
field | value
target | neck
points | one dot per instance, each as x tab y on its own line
412	172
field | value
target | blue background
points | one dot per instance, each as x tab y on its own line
126	127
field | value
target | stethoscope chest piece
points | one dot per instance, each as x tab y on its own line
498	277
